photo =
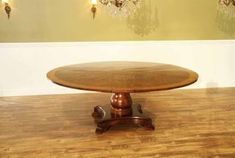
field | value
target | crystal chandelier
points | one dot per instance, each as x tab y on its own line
225	17
116	7
227	2
144	20
7	7
227	7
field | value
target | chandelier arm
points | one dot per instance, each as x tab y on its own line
135	2
226	2
118	6
233	2
104	2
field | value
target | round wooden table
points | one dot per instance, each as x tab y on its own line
122	78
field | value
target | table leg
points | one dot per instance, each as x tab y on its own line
121	112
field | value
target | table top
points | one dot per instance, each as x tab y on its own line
122	76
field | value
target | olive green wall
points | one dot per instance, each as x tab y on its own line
63	20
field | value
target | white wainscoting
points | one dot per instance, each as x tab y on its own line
23	66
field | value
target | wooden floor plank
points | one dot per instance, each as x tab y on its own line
189	123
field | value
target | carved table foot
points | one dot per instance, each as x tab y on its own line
105	119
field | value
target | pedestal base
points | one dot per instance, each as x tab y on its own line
105	119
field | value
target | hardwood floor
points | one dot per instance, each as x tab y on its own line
189	124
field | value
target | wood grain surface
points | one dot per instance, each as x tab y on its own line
121	76
189	124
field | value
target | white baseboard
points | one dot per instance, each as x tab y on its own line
51	91
28	92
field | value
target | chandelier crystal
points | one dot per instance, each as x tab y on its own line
122	8
225	17
227	7
144	20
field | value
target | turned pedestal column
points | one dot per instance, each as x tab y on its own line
121	111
